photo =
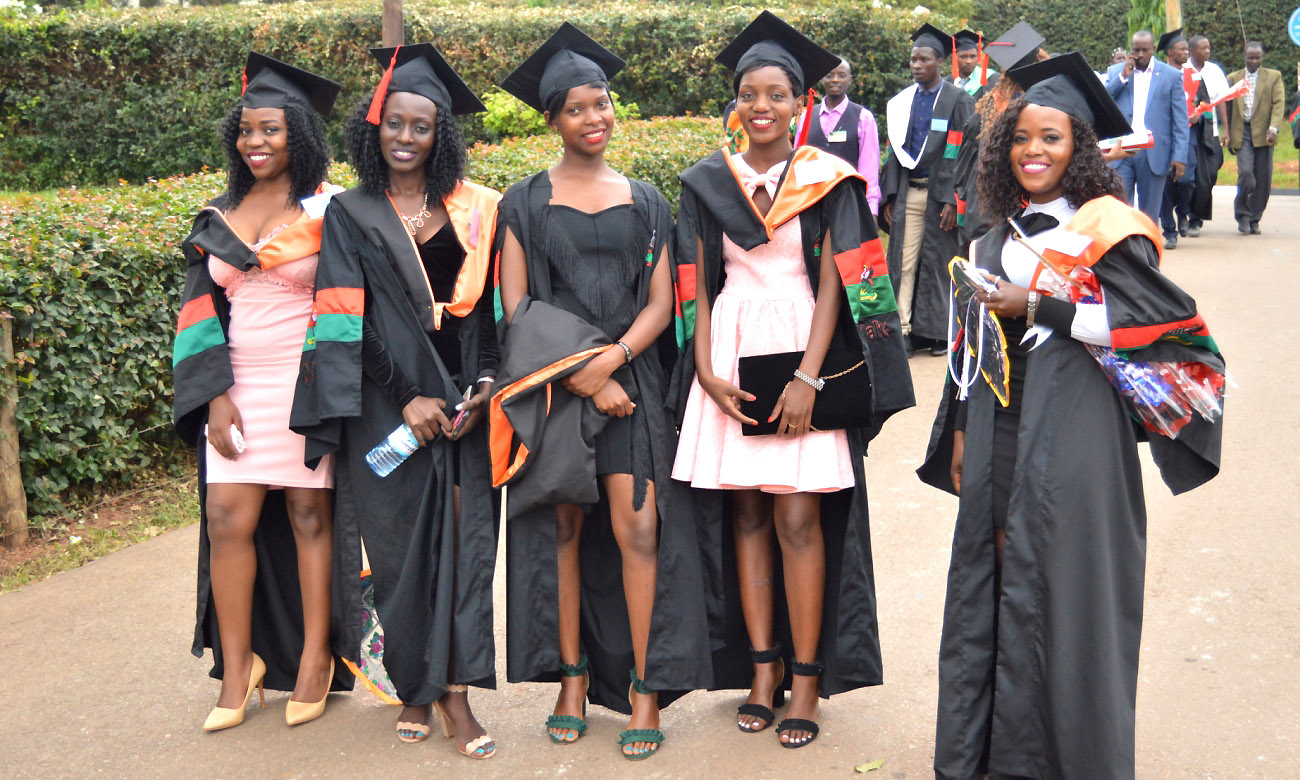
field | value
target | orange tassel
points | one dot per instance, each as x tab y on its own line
955	72
801	137
983	62
243	81
381	92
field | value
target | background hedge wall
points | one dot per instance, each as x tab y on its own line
93	98
93	279
1098	26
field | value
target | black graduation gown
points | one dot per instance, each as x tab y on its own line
929	300
677	654
713	204
972	222
1209	159
201	372
432	577
1044	684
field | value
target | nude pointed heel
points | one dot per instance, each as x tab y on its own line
226	717
298	712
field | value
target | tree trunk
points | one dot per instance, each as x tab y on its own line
393	32
1173	14
13	501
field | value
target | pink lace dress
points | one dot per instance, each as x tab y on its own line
269	311
765	306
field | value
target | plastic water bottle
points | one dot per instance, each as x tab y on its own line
392	451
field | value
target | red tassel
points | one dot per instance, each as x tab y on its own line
243	81
983	62
381	91
955	72
801	137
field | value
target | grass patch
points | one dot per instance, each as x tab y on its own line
100	529
1286	164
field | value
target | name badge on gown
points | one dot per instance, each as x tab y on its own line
938	125
838	136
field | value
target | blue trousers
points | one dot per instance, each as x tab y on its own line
1136	174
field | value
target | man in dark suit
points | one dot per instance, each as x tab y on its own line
1150	94
1253	122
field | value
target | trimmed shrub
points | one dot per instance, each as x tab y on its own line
1095	28
93	98
93	280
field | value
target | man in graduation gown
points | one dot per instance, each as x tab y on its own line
1015	48
1175	209
918	199
1212	83
972	73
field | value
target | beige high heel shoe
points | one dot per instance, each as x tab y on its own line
296	712
481	748
225	717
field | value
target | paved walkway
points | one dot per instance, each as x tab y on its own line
97	679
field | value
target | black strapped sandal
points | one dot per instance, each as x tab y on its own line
574	725
778	695
632	736
800	724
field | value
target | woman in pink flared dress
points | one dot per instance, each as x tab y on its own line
783	247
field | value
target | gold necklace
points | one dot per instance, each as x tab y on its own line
416	222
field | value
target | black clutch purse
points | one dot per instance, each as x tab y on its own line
844	401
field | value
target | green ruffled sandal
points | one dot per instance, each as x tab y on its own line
632	736
572	723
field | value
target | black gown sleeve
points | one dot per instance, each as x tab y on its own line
489	355
383	370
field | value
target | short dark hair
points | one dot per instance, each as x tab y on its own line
309	153
1196	39
1254	45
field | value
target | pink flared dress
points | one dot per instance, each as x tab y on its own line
269	312
765	306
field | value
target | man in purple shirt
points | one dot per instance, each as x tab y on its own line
848	130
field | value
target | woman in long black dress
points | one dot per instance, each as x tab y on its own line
265	540
1038	658
588	248
401	325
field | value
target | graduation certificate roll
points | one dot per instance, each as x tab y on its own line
843	402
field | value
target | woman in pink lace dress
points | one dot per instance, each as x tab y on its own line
265	554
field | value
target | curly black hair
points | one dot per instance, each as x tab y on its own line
557	102
444	167
795	84
309	153
1086	177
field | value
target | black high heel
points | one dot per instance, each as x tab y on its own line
800	724
778	696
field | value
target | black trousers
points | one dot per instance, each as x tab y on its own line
1254	178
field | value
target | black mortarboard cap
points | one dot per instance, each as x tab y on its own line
1067	83
930	36
421	69
568	59
769	39
1169	39
966	39
1016	48
269	83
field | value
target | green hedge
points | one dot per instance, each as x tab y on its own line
1097	27
97	97
93	280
